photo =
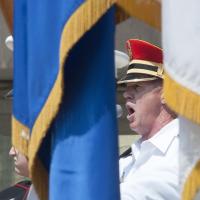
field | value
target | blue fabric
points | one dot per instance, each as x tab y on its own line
38	27
84	162
80	149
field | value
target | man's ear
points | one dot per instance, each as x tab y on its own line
162	99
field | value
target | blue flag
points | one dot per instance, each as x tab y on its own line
64	116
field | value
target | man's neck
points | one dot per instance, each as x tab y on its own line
162	120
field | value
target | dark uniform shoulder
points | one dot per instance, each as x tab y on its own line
127	153
19	191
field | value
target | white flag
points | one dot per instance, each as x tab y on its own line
181	44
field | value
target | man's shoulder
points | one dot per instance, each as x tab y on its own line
126	153
16	192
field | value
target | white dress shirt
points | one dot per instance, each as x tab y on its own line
152	171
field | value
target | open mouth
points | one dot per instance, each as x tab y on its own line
130	109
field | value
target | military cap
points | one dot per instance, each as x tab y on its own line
146	62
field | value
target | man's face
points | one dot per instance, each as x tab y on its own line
143	103
21	162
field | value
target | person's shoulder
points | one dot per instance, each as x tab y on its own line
17	192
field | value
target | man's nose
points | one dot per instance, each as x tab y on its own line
12	151
127	95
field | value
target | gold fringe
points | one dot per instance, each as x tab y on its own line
40	179
79	23
192	184
39	131
182	100
186	103
19	140
7	10
120	15
148	11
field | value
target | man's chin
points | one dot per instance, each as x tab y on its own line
17	171
133	127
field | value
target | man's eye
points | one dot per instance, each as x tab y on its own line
137	88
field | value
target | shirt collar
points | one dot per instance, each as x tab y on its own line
136	148
163	139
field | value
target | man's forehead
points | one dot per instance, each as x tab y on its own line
133	84
146	85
